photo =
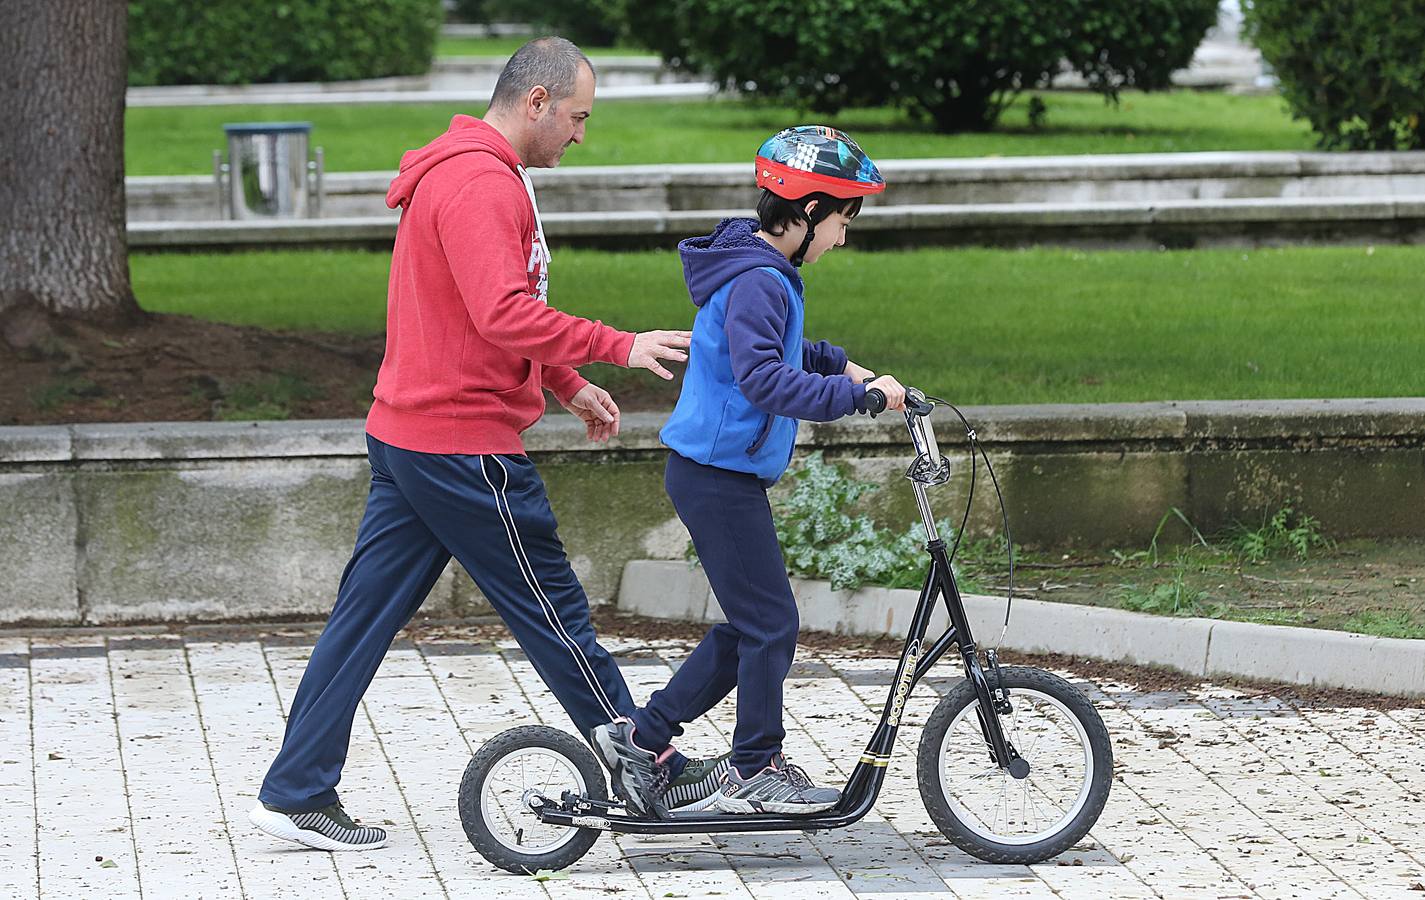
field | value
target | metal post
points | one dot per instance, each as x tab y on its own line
317	168
219	170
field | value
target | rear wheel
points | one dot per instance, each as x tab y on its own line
984	809
498	783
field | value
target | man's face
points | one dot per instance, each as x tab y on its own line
560	124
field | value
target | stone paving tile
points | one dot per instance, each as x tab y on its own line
19	862
179	828
242	721
128	763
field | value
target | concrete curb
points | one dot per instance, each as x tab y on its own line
1143	179
1251	222
1204	647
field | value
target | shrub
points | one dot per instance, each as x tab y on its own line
821	539
1354	71
592	23
957	62
241	42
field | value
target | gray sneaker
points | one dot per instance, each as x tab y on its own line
329	828
780	788
633	771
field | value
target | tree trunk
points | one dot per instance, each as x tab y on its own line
63	73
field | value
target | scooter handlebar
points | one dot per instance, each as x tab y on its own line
875	401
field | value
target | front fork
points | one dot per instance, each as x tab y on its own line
986	680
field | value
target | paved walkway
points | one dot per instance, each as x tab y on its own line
128	763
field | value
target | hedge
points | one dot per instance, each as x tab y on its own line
957	62
243	42
1355	71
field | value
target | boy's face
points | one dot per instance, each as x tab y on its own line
831	232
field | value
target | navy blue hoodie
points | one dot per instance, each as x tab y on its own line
751	375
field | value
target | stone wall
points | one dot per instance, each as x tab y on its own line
217	521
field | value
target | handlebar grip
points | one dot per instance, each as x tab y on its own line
875	401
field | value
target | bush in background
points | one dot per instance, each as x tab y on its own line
592	23
1355	71
242	42
957	62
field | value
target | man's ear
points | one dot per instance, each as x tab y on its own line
811	205
537	100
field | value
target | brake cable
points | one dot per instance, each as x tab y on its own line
1004	514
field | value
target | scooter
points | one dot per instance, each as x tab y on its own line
1014	763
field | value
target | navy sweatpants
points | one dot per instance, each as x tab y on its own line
491	514
730	521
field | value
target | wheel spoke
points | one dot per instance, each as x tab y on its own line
1050	737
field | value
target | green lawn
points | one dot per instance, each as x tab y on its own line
180	140
504	46
974	326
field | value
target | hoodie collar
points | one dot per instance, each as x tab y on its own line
466	134
733	248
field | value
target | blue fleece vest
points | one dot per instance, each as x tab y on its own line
713	423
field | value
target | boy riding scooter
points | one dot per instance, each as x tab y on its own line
751	377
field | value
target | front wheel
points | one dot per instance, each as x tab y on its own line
498	783
986	811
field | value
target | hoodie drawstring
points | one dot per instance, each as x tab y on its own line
538	223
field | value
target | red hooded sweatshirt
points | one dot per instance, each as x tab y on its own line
470	340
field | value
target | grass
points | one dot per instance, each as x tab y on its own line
369	137
975	326
267	397
505	46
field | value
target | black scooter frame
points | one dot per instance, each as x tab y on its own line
862	788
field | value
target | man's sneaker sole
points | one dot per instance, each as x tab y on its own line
280	825
738	806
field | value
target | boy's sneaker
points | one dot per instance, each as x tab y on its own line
780	788
696	787
633	771
328	828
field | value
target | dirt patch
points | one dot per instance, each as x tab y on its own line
1368	586
181	369
176	368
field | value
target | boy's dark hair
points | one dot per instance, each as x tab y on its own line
775	213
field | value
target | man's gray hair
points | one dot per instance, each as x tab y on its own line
551	62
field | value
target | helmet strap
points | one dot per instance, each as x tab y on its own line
800	255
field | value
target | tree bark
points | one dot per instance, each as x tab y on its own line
63	74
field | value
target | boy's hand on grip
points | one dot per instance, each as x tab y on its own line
893	390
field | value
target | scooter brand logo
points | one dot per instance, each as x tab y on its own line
903	686
590	822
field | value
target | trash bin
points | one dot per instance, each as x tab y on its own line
268	173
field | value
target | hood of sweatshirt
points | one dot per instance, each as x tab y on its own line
466	134
733	248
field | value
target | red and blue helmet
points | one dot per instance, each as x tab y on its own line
808	159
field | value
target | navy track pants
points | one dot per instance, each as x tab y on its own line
730	521
491	514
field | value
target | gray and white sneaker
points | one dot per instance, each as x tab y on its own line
780	788
328	828
633	771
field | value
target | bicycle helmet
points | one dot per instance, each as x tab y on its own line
811	159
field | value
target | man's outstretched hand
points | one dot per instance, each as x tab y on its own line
598	410
651	346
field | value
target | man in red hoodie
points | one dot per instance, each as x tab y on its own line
471	344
